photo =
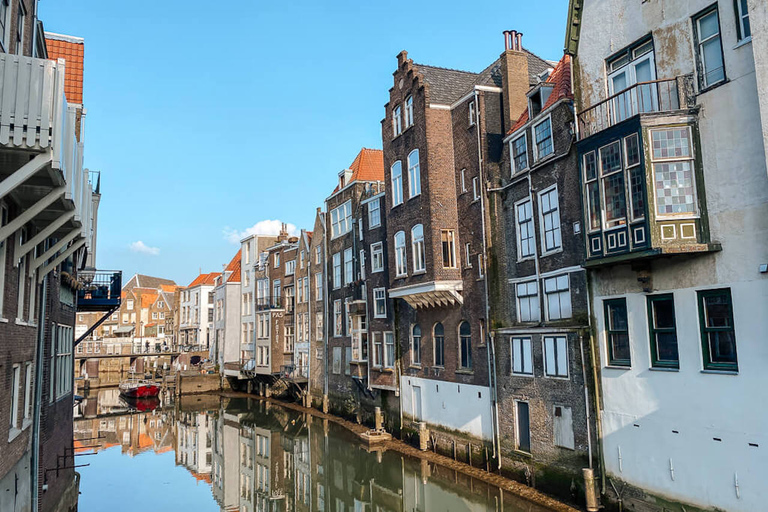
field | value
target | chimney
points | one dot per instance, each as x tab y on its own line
514	69
283	233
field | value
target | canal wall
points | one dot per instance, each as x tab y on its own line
189	382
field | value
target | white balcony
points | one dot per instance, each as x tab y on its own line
41	160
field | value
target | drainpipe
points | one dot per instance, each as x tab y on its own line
325	306
491	352
35	462
307	335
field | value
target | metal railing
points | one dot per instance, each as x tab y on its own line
100	287
640	98
269	302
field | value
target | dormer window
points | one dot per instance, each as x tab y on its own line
397	121
344	177
537	99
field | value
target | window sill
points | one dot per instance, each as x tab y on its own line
524	454
714	86
615	367
475	200
526	375
414	367
525	258
664	369
414	196
743	42
553	251
465	372
419	272
721	372
13	433
4	320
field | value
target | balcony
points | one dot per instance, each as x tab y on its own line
269	302
42	163
433	294
642	175
642	98
100	290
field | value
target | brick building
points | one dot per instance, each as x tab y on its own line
316	387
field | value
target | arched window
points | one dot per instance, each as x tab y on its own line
438	337
401	263
409	111
397	183
414	174
416	345
465	348
417	244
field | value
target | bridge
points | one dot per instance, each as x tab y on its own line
172	355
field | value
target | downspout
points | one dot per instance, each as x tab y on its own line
491	352
307	334
325	311
35	463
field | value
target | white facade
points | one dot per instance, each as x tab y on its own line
462	407
691	434
249	250
226	316
196	302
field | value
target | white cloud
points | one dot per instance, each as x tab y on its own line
264	227
142	248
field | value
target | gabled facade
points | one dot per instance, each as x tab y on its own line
317	308
673	177
303	306
226	314
197	313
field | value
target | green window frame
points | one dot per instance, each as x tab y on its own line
718	333
617	332
662	326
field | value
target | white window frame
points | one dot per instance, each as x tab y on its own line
319	286
379	298
21	15
408	112
467	255
5	11
528	297
740	15
341	219
414	350
337	271
557	372
515	170
480	266
374	213
338	318
377	257
463	180
277	260
15	386
414	174
349	269
555	284
378	350
472	113
401	255
450	234
129	304
290	267
397	121
557	233
396	173
518	354
389	341
700	46
535	145
417	249
520	255
476	188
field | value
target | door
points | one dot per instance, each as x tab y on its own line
523	427
643	98
417	403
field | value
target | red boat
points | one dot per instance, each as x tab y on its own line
139	388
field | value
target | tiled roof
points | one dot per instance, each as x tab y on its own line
169	288
72	50
368	166
560	78
234	267
204	280
148	299
142	281
448	85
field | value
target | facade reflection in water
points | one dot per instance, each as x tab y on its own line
261	457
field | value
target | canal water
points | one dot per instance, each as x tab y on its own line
208	453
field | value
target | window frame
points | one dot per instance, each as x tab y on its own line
513	157
377	249
691	159
438	362
450	236
472	113
556	230
558	292
408	111
555	345
415	345
349	266
401	255
397	183
609	331
341	225
740	26
338	273
537	300
537	156
397	121
704	85
529	360
389	341
462	338
532	237
651	300
708	364
417	249
414	174
374	210
383	299
338	319
476	188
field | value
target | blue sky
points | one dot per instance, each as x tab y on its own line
205	122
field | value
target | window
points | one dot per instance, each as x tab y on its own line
416	345
319	286
523	430
522	358
300	290
636	176
20	14
337	270
4	9
348	316
341	219
672	157
528	302
614	195
465	346
709	48
409	111
377	257
277	259
380	303
389	350
475	188
319	325
348	268
276	292
463	180
301	259
742	20
318	255
538	98
417	245
632	65
397	121
129	304
374	213
526	244
448	239
378	350
414	174
338	321
64	368
15	385
247	253
663	332
397	183
467	256
617	332
472	114
718	334
550	220
401	265
556	356
518	148
543	139
438	338
558	297
154	315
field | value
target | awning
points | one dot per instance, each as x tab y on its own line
431	294
126	329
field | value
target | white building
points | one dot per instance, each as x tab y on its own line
196	312
673	170
225	349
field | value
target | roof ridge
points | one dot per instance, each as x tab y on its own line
445	68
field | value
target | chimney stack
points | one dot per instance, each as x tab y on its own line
515	85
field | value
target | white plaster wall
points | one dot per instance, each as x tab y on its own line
450	405
758	19
251	288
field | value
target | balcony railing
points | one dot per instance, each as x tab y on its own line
100	290
264	303
640	98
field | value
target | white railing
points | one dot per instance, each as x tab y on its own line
35	114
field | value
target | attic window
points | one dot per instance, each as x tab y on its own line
538	98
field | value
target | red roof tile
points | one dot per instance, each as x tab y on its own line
561	80
204	280
72	52
234	267
368	166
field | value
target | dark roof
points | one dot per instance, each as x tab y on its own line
448	85
143	281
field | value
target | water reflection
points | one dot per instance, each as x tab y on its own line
258	456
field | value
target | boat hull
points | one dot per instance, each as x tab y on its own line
139	390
